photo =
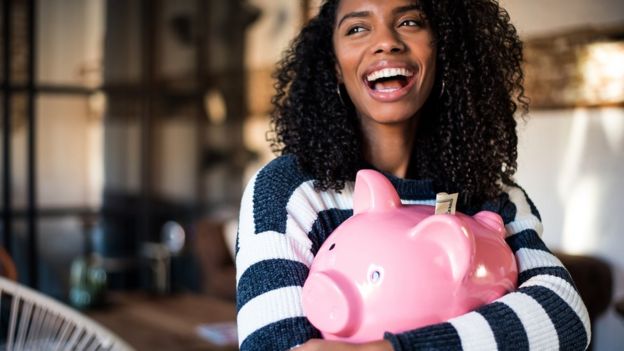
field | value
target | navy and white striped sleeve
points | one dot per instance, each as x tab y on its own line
271	263
283	221
544	313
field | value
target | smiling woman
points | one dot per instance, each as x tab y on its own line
386	59
426	92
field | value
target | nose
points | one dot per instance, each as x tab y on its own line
331	303
387	40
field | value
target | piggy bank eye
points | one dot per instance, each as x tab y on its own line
375	276
332	247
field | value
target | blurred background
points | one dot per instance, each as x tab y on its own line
129	128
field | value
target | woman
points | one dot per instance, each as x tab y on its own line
424	91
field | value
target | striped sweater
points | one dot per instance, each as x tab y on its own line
284	221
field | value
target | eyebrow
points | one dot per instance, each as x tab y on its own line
396	11
407	8
357	14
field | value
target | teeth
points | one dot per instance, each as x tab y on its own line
389	72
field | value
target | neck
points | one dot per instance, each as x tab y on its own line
388	147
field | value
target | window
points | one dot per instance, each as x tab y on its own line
118	116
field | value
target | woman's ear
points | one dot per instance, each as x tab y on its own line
338	73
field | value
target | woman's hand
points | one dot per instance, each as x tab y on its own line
325	345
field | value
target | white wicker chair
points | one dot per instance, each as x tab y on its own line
30	320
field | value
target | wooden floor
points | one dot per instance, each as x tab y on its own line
164	323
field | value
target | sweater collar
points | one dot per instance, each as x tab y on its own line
408	189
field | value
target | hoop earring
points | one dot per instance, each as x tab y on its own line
442	90
339	92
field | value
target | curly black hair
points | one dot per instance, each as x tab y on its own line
466	140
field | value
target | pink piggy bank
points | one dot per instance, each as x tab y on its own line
394	268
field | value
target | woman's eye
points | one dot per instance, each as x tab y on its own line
355	29
412	23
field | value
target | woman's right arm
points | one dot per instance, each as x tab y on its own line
273	255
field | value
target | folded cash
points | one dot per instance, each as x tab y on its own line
446	203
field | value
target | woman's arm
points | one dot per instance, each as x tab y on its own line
278	235
544	313
271	269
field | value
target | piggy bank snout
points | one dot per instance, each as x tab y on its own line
330	302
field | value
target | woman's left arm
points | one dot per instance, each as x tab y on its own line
544	313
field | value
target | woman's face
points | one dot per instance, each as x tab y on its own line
385	57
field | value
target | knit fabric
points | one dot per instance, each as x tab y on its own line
284	221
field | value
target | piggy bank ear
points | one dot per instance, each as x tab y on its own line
373	192
449	240
492	221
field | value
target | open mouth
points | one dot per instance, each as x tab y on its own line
389	79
